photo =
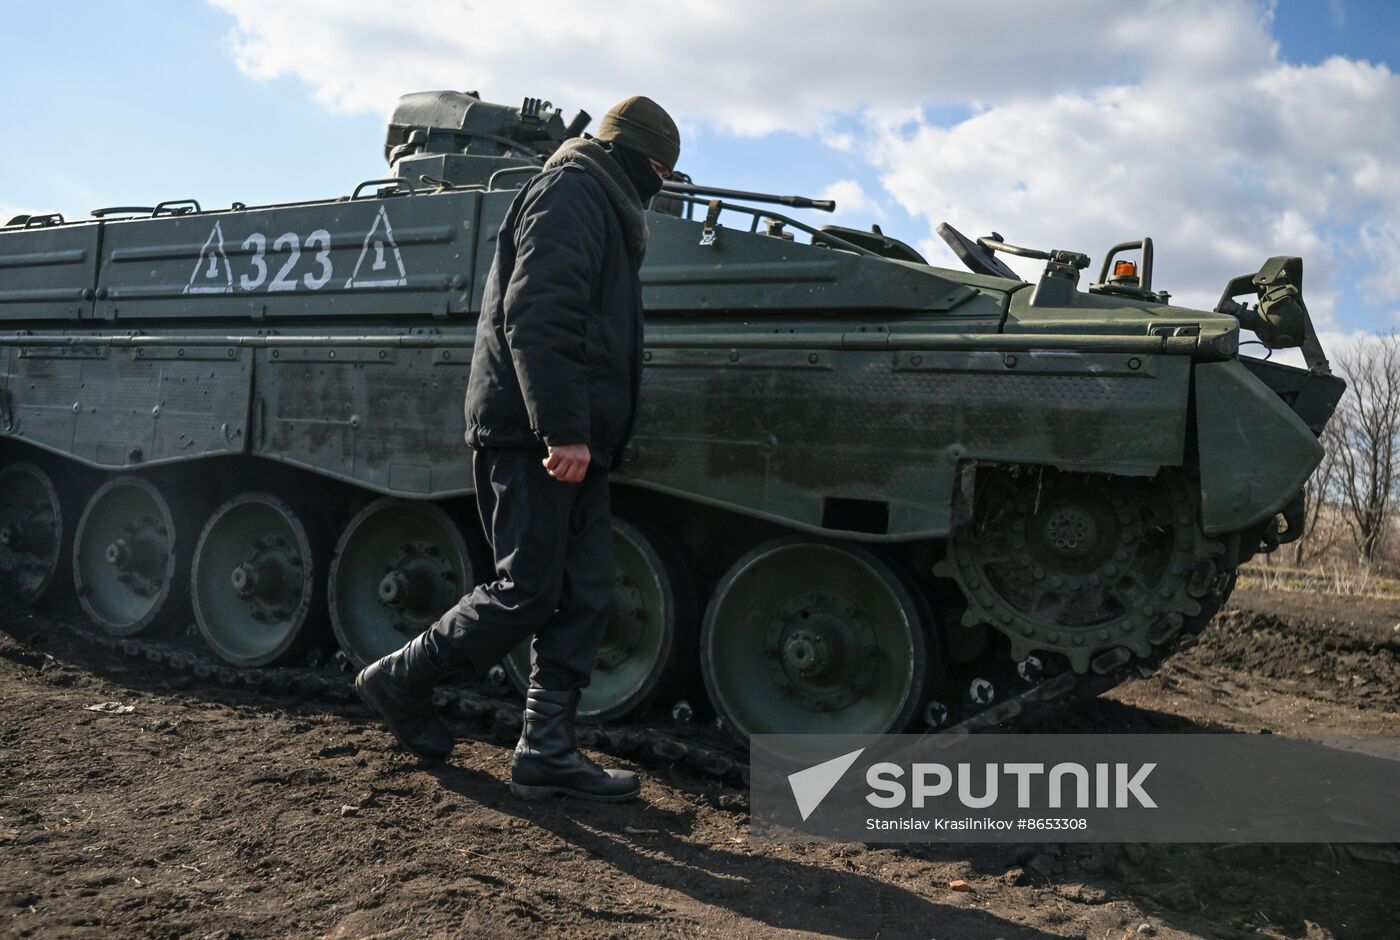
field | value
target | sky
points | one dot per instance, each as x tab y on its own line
1228	130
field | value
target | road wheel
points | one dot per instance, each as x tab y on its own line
33	559
649	633
398	567
812	637
256	585
131	558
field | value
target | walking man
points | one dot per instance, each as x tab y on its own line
550	405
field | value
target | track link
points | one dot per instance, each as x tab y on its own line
698	749
702	750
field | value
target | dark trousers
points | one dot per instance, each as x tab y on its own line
552	544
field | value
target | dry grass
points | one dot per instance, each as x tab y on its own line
1327	561
1336	577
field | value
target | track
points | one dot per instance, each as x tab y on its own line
1086	582
491	711
495	716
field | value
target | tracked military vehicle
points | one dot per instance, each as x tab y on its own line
865	493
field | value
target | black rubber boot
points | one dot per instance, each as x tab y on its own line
548	763
400	688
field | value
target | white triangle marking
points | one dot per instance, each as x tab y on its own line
206	266
810	786
379	247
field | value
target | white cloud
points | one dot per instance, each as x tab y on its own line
1223	171
750	67
852	202
1079	123
844	141
1381	254
1335	344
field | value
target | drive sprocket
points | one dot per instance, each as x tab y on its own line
1081	564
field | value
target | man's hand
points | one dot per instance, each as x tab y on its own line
568	462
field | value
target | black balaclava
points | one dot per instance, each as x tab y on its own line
637	169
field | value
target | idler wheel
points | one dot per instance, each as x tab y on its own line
256	584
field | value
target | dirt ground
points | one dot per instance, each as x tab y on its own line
214	812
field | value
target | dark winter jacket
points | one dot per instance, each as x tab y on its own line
558	357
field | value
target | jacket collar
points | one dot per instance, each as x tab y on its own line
592	158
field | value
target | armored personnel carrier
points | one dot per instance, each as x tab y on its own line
865	493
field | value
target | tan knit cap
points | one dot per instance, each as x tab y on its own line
643	125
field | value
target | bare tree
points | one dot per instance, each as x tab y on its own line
1320	492
1368	430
